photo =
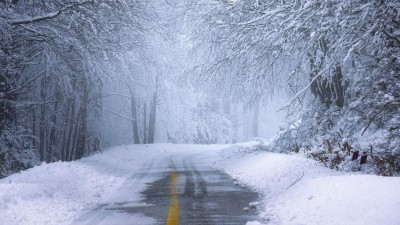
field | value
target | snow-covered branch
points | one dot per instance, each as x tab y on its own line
305	88
118	114
26	84
47	16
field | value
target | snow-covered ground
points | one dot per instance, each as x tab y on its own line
294	190
297	190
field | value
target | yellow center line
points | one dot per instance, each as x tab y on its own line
173	212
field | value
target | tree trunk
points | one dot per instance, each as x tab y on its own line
255	120
33	127
338	86
66	124
135	128
82	133
235	124
145	123
53	129
70	144
42	126
152	119
74	139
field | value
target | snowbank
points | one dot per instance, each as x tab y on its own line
297	190
52	193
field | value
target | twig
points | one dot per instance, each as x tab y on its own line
296	181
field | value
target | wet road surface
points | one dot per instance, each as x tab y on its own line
178	190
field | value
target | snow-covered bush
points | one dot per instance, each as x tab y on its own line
332	137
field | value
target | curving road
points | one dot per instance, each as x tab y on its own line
178	190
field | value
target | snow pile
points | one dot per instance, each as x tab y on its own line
346	199
57	193
51	193
297	190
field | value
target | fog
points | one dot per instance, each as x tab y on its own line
76	77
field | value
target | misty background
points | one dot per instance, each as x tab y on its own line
80	76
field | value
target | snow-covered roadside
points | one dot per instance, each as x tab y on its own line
56	193
60	192
51	194
297	190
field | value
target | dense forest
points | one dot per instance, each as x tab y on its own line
79	76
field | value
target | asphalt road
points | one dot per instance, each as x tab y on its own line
184	192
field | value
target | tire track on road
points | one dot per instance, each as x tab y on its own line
195	210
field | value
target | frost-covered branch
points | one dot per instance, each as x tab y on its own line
26	84
305	88
47	16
